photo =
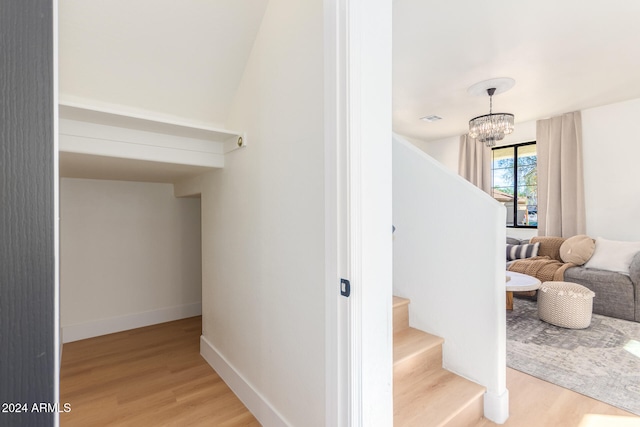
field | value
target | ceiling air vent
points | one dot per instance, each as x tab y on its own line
431	118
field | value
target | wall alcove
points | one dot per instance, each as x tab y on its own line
130	234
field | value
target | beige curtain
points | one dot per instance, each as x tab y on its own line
561	209
474	163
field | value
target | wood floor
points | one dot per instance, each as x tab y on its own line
536	403
151	376
154	376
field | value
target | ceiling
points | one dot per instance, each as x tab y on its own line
184	60
175	59
564	56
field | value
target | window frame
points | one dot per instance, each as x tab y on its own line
515	179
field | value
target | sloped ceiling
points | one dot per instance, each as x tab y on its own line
564	56
179	59
184	59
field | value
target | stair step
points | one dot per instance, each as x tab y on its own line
424	393
400	314
415	352
438	398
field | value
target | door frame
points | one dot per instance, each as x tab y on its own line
358	205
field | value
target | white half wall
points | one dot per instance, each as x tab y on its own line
263	225
448	259
130	256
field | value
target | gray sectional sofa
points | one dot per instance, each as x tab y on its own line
617	295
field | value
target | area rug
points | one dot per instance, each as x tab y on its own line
602	361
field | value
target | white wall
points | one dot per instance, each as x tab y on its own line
444	150
263	228
130	256
611	147
612	175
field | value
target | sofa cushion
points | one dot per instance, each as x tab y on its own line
514	241
549	246
612	255
522	251
634	275
577	249
614	292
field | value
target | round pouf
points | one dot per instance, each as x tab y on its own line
565	304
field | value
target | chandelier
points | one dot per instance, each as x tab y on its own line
491	127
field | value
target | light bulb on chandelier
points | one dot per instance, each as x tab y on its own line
491	127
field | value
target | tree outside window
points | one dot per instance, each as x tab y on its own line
515	183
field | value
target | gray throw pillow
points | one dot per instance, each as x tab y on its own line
522	251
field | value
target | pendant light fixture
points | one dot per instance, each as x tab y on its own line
491	127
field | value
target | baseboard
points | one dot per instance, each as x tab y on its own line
496	407
96	328
252	399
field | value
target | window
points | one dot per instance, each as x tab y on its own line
514	171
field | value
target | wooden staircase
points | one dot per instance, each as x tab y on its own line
425	394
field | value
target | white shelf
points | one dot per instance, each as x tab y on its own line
149	123
100	144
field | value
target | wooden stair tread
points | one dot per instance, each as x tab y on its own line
434	398
425	394
399	301
400	314
410	342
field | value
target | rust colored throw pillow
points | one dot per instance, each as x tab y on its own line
577	249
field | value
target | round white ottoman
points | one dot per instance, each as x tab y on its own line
565	304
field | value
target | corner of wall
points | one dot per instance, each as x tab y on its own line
257	404
496	407
76	332
188	187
